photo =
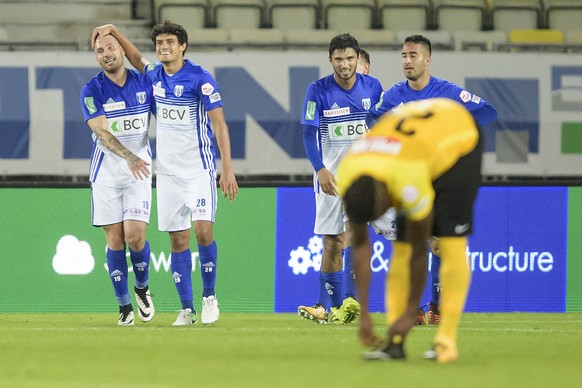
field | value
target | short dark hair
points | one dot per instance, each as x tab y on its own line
423	40
167	27
342	42
360	200
365	56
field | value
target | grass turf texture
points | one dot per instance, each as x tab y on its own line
280	350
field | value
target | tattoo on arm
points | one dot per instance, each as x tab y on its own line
113	144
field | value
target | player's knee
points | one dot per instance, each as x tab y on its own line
135	241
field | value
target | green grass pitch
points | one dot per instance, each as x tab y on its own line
280	350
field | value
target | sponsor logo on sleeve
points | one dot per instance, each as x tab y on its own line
215	97
207	89
465	96
310	110
90	105
476	99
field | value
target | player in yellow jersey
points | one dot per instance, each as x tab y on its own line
424	159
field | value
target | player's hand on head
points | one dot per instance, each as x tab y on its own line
100	31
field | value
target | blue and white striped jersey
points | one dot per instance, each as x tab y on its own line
183	132
127	109
339	114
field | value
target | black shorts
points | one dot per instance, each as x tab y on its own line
455	194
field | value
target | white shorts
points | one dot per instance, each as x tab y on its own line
183	200
112	205
330	217
386	224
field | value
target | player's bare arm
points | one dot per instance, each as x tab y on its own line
361	262
132	54
416	234
327	182
228	184
137	166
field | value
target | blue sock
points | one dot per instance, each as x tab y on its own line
207	256
349	278
323	295
333	285
141	264
181	265
117	264
435	279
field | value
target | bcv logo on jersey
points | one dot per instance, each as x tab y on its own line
171	114
134	123
350	130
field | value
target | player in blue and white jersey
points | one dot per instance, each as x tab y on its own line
420	85
334	113
117	106
189	113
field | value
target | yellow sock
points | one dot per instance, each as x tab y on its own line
455	277
398	281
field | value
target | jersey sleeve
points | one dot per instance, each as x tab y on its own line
207	88
310	115
91	103
481	110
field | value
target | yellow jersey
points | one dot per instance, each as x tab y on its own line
410	147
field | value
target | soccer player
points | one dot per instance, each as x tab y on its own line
424	159
334	113
117	106
189	111
364	62
419	85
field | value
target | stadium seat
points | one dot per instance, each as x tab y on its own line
507	15
478	40
573	41
380	39
440	40
460	15
54	11
398	15
573	37
346	15
564	15
257	38
534	40
536	36
209	38
294	14
309	39
234	14
190	14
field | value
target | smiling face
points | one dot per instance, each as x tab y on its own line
109	54
344	62
168	49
